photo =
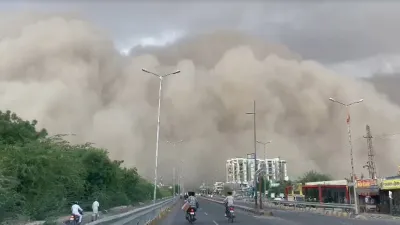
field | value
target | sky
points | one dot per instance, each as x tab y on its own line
353	37
300	54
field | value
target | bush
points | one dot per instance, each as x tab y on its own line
40	176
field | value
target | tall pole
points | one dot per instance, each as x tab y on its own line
158	127
351	148
173	181
174	147
371	162
265	160
255	152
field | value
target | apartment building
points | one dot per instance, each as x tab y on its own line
218	187
241	170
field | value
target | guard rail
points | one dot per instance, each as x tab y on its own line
312	204
140	216
293	204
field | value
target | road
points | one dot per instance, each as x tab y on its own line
213	214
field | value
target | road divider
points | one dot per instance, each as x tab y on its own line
141	216
329	209
242	208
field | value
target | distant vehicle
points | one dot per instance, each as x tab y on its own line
277	199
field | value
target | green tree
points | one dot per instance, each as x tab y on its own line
313	176
40	176
281	187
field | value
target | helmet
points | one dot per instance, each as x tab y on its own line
76	202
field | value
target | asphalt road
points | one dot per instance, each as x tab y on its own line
213	214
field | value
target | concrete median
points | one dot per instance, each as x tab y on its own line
244	208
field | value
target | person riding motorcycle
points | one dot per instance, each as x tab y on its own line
77	211
193	203
228	201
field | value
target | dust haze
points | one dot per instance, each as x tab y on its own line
66	73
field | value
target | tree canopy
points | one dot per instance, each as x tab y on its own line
313	176
310	176
40	176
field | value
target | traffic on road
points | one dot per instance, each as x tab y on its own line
210	213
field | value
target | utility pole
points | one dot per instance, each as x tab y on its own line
161	78
255	151
265	166
371	155
351	148
174	146
173	181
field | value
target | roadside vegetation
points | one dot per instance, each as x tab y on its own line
41	175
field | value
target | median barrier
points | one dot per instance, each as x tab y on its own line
141	216
243	208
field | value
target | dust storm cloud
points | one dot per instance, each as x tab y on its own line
67	74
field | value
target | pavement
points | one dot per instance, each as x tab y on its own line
211	213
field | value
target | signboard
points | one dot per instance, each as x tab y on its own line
331	182
367	183
390	184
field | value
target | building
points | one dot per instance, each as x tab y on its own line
218	187
241	170
236	171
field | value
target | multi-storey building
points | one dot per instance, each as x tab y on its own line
241	170
218	187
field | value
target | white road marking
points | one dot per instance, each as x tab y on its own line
205	213
215	222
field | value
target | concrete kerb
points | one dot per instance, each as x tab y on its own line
115	218
244	208
322	211
164	212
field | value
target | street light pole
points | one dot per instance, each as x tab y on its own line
173	182
174	146
255	151
351	147
265	154
161	77
265	157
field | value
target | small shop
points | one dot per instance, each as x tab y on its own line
368	195
390	195
326	191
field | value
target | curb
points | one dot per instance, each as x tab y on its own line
162	214
312	210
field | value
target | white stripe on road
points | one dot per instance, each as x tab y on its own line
205	213
215	222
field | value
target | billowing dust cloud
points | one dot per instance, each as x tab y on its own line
66	73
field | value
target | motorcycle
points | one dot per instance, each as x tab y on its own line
191	215
74	220
231	214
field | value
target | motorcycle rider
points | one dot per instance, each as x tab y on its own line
228	202
77	211
193	203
